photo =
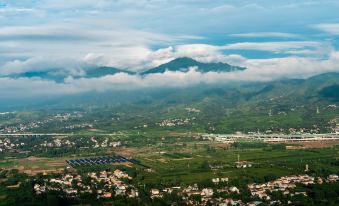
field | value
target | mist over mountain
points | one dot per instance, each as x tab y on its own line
179	64
178	81
319	88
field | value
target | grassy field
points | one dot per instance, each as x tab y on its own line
180	159
190	165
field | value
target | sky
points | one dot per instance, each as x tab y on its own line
273	39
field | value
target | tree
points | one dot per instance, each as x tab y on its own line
205	166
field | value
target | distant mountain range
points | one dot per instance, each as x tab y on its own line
240	106
180	64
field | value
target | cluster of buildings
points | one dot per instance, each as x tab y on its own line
109	184
175	122
192	110
93	142
336	129
57	142
20	127
283	184
80	126
335	125
287	185
333	106
67	116
332	178
193	195
103	185
34	124
314	130
220	202
27	144
104	143
7	145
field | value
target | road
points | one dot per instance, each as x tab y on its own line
56	134
227	138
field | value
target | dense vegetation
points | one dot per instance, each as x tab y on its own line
331	92
175	151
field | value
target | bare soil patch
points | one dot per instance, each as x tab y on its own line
127	164
35	165
221	145
94	130
126	151
185	158
148	159
310	144
33	158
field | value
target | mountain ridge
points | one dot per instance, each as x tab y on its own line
179	64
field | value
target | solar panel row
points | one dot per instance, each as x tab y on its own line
97	161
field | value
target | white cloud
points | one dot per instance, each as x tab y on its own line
273	46
213	53
141	57
221	9
200	52
329	28
25	87
113	46
293	67
77	28
45	63
267	34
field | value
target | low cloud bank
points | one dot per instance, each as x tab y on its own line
258	70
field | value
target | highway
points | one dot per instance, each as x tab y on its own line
216	137
227	138
56	134
36	134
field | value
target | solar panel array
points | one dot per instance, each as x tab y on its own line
103	160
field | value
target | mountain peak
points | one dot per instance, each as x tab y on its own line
184	59
184	63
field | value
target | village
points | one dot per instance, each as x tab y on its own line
106	184
25	144
212	195
287	184
112	184
175	122
32	125
103	184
